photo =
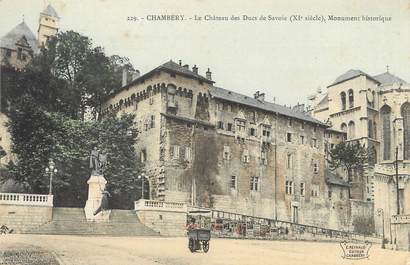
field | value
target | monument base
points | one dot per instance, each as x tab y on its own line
96	185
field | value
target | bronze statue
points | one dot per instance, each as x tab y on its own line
98	162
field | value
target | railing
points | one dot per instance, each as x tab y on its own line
26	199
400	219
233	221
149	205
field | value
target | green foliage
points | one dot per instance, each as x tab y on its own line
348	156
70	76
364	225
39	135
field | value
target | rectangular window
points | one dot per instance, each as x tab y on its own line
302	189
252	131
255	183
329	194
240	125
152	124
289	187
220	106
245	156
220	125
188	153
289	161
316	167
290	122
264	160
302	139
8	53
229	128
314	143
233	183
19	53
175	151
229	108
315	190
289	137
302	125
227	153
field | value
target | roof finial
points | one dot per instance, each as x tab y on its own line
23	17
387	68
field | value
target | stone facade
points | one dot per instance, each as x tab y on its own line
210	147
375	111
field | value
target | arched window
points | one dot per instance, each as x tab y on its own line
343	99
343	127
405	113
351	132
385	113
351	98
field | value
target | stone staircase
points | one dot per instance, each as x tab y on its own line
72	221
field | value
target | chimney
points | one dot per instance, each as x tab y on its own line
135	75
124	76
195	69
186	66
209	75
180	62
259	96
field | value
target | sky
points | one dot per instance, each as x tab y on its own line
288	61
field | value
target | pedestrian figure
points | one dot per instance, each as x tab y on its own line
104	202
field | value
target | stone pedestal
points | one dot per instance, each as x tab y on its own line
96	184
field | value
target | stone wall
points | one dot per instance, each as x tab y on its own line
165	223
22	218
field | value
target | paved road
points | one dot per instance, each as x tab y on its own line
77	250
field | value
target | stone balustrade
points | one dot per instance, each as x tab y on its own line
26	199
400	219
150	205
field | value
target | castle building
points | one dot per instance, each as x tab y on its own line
212	147
374	110
17	49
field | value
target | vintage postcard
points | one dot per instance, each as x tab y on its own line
204	132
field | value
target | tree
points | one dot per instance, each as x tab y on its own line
348	156
70	76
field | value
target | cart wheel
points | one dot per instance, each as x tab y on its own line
205	246
191	245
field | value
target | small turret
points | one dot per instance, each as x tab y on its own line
48	25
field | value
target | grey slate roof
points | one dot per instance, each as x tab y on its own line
174	67
349	75
333	179
9	40
227	95
387	79
50	11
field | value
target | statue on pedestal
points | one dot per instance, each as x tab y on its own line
96	208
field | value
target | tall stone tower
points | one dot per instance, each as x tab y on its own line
48	25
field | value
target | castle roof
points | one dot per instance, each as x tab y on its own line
9	40
352	73
388	78
178	69
50	11
231	96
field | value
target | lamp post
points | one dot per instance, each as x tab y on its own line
51	169
381	213
141	177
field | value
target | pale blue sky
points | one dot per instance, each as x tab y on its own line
288	61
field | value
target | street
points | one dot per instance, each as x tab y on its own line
79	250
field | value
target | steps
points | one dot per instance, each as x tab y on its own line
72	221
